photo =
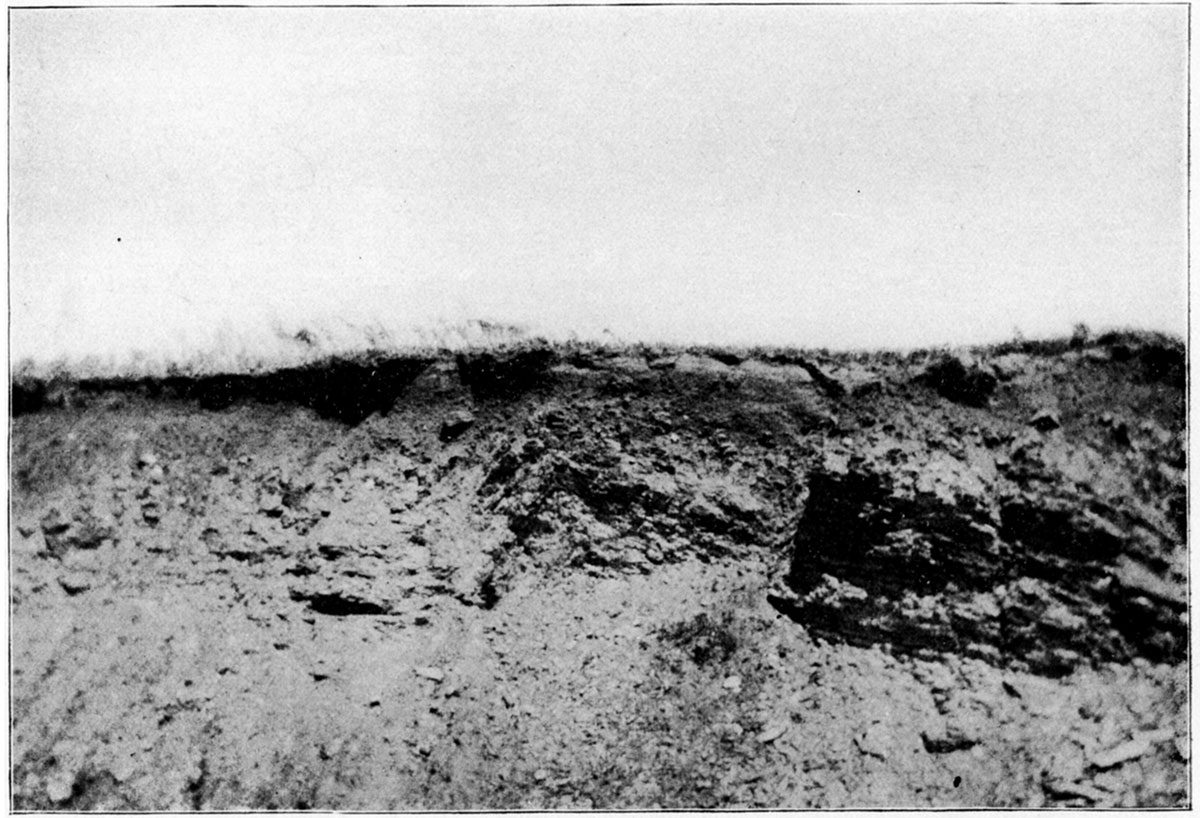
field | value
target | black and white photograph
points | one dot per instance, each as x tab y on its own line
598	407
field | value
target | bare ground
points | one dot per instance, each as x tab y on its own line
570	580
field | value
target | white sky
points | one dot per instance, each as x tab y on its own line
838	176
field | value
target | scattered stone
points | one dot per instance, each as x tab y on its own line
75	583
732	683
944	740
151	513
876	741
1045	420
60	787
54	525
84	529
123	768
32	544
432	673
1063	790
1159	736
1134	748
339	603
455	424
772	730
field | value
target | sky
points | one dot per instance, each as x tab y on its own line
840	176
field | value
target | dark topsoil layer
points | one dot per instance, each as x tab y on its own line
564	577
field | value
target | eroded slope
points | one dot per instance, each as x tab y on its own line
553	577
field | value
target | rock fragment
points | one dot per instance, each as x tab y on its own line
875	741
60	787
271	504
455	424
75	583
54	525
84	529
1159	736
433	674
944	739
123	768
1128	751
1046	420
1071	790
771	731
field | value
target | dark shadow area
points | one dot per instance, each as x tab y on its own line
1164	363
873	565
340	605
506	374
346	390
956	381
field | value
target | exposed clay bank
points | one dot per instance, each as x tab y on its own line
564	576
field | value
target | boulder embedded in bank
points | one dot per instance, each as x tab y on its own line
455	424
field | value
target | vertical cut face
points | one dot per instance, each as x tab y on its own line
872	565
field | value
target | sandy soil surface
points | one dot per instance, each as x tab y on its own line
587	578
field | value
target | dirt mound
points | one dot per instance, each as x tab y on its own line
562	577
